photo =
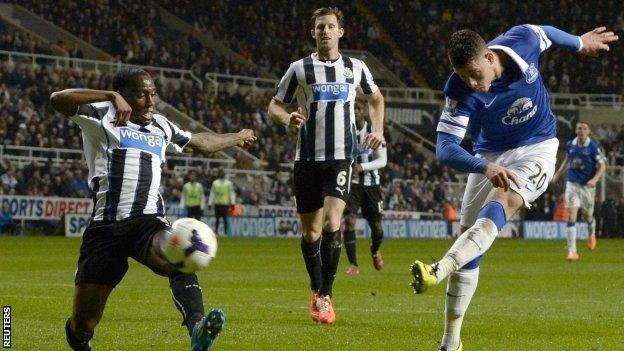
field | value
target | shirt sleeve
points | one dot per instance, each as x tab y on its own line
178	138
455	116
287	86
599	155
380	159
90	118
523	43
366	81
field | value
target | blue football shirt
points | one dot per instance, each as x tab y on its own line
516	110
584	159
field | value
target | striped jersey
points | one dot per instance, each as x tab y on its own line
125	162
326	92
370	160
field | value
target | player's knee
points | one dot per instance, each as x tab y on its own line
331	224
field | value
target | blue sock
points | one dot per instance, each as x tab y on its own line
495	212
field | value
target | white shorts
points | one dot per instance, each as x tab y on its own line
534	165
581	196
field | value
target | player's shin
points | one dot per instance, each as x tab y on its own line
331	245
311	252
473	242
376	236
571	236
460	289
349	243
187	297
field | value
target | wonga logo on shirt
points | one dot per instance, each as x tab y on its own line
330	91
133	139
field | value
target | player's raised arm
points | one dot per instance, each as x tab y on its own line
208	143
67	102
376	106
589	44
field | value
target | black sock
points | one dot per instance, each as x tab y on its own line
312	258
377	237
187	297
330	255
75	343
349	243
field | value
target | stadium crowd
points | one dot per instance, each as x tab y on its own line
256	30
132	33
563	71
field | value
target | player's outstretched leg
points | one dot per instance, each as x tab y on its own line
460	289
206	330
377	238
471	244
571	239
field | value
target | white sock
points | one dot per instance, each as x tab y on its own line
460	289
472	243
571	236
592	226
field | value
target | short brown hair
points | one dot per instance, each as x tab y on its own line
464	46
324	11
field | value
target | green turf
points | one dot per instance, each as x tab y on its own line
529	298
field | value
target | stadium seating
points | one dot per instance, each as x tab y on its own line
425	35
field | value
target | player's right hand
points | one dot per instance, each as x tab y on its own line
597	40
296	118
246	137
501	177
123	111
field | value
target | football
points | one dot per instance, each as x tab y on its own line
190	245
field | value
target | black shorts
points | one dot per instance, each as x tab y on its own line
106	247
314	180
368	198
194	212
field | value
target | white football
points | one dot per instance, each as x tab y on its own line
190	245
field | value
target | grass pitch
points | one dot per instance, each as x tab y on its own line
529	298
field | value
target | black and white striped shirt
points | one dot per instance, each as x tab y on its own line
370	160
124	162
326	91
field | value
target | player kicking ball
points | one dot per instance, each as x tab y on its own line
585	163
498	88
124	146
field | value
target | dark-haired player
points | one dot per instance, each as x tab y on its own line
365	193
124	145
498	88
324	84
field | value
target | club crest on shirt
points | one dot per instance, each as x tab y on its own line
348	72
531	74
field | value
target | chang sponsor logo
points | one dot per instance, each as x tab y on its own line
330	91
133	139
520	111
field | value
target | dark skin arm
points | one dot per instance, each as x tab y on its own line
67	101
208	143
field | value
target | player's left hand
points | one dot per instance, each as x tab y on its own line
597	40
357	168
246	137
591	183
373	140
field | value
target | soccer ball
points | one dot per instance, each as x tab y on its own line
190	245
